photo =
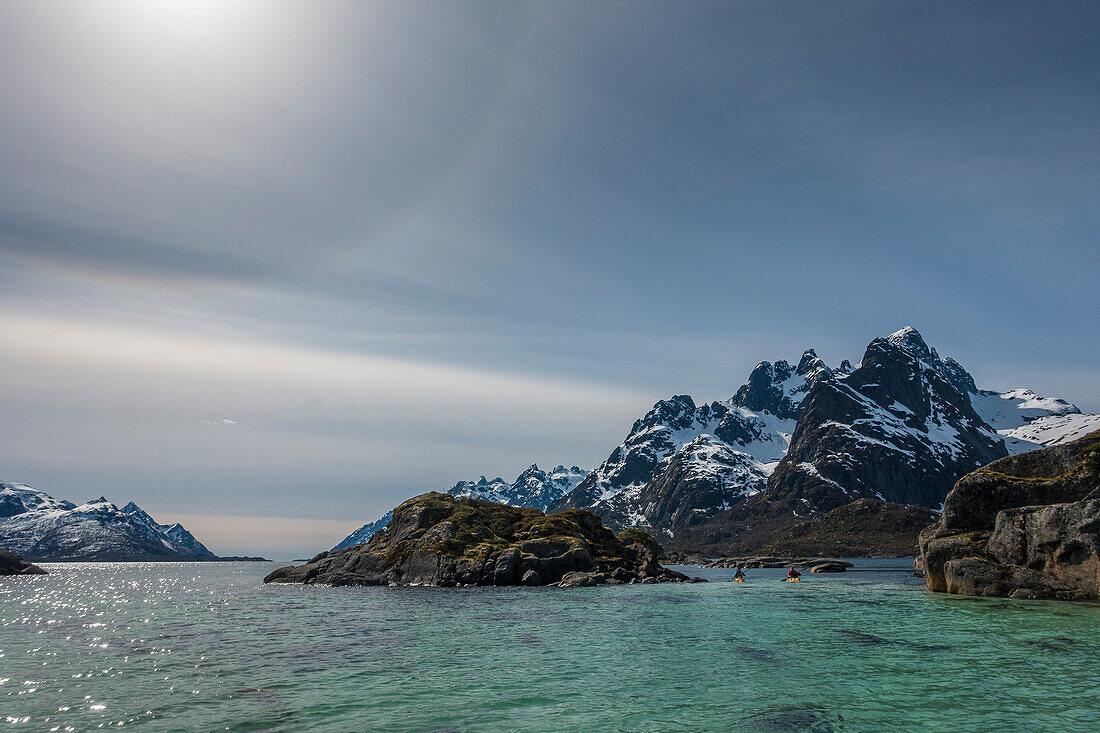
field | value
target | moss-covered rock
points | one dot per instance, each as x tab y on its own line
437	539
1026	526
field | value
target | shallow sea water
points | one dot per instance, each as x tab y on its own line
206	646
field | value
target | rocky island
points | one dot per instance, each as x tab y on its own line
440	540
12	564
1026	526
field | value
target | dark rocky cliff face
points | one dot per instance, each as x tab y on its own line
1027	526
895	429
437	539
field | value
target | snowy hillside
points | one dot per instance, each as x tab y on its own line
1027	421
37	526
1050	430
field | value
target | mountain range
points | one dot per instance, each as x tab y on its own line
39	527
798	446
850	459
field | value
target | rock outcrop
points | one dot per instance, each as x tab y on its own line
12	564
1026	526
441	540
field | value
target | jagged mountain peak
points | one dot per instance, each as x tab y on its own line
809	362
910	339
677	412
780	389
19	498
897	428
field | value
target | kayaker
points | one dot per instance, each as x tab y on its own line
739	575
793	574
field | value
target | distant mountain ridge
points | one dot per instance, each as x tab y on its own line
39	527
533	488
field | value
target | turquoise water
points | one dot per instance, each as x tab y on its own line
206	646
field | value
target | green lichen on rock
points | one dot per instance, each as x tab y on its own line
438	539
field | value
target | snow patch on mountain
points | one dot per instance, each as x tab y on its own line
713	454
1049	430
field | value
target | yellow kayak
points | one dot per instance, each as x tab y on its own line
738	580
794	580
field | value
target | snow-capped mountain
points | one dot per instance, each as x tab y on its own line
39	527
898	429
717	453
532	488
797	441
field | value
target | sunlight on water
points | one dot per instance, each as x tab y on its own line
205	646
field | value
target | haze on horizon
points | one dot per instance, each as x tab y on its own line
270	268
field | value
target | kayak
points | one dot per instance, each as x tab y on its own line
794	580
738	580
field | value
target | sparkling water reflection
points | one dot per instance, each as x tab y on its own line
205	646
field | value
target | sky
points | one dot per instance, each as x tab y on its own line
270	268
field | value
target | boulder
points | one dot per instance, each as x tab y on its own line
577	579
829	567
1027	526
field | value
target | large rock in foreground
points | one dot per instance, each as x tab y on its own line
12	564
1027	526
437	539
